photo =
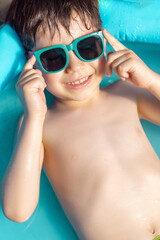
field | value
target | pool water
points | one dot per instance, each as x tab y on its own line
48	220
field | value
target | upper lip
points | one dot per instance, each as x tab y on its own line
78	79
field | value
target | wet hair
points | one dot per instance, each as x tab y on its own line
28	16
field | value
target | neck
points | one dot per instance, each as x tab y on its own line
61	104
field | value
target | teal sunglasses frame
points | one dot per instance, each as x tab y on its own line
67	48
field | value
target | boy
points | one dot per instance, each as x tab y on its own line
90	141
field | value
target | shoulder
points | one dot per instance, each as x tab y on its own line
124	89
126	86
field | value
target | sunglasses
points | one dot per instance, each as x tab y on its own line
55	58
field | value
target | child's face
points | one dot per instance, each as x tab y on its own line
76	69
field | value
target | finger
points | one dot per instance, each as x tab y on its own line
111	57
25	80
113	41
25	74
121	67
34	83
30	78
38	71
28	73
29	65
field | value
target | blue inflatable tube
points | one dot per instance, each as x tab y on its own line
132	20
12	55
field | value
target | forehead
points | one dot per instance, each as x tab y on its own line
77	29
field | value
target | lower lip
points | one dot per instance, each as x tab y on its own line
81	85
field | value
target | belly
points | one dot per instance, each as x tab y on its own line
122	204
124	210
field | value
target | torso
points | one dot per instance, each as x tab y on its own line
104	170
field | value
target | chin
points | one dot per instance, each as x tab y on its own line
84	96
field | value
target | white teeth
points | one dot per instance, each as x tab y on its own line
78	82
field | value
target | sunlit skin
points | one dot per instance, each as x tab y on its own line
97	156
128	66
76	69
125	63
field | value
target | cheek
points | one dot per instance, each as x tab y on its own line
99	65
51	78
48	77
53	81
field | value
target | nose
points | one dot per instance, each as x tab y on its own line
75	64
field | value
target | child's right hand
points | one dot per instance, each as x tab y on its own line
30	89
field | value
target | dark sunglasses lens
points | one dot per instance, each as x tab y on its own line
90	48
53	60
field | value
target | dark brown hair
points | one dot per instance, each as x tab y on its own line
27	16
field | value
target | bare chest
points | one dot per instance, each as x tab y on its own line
105	173
97	141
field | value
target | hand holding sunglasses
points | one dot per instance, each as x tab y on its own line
30	89
55	58
127	65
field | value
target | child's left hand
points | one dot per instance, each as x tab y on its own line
126	64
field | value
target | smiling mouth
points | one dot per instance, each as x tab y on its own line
79	83
76	82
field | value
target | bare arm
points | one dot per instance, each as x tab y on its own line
20	188
22	177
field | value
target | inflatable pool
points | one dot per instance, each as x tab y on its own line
48	220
